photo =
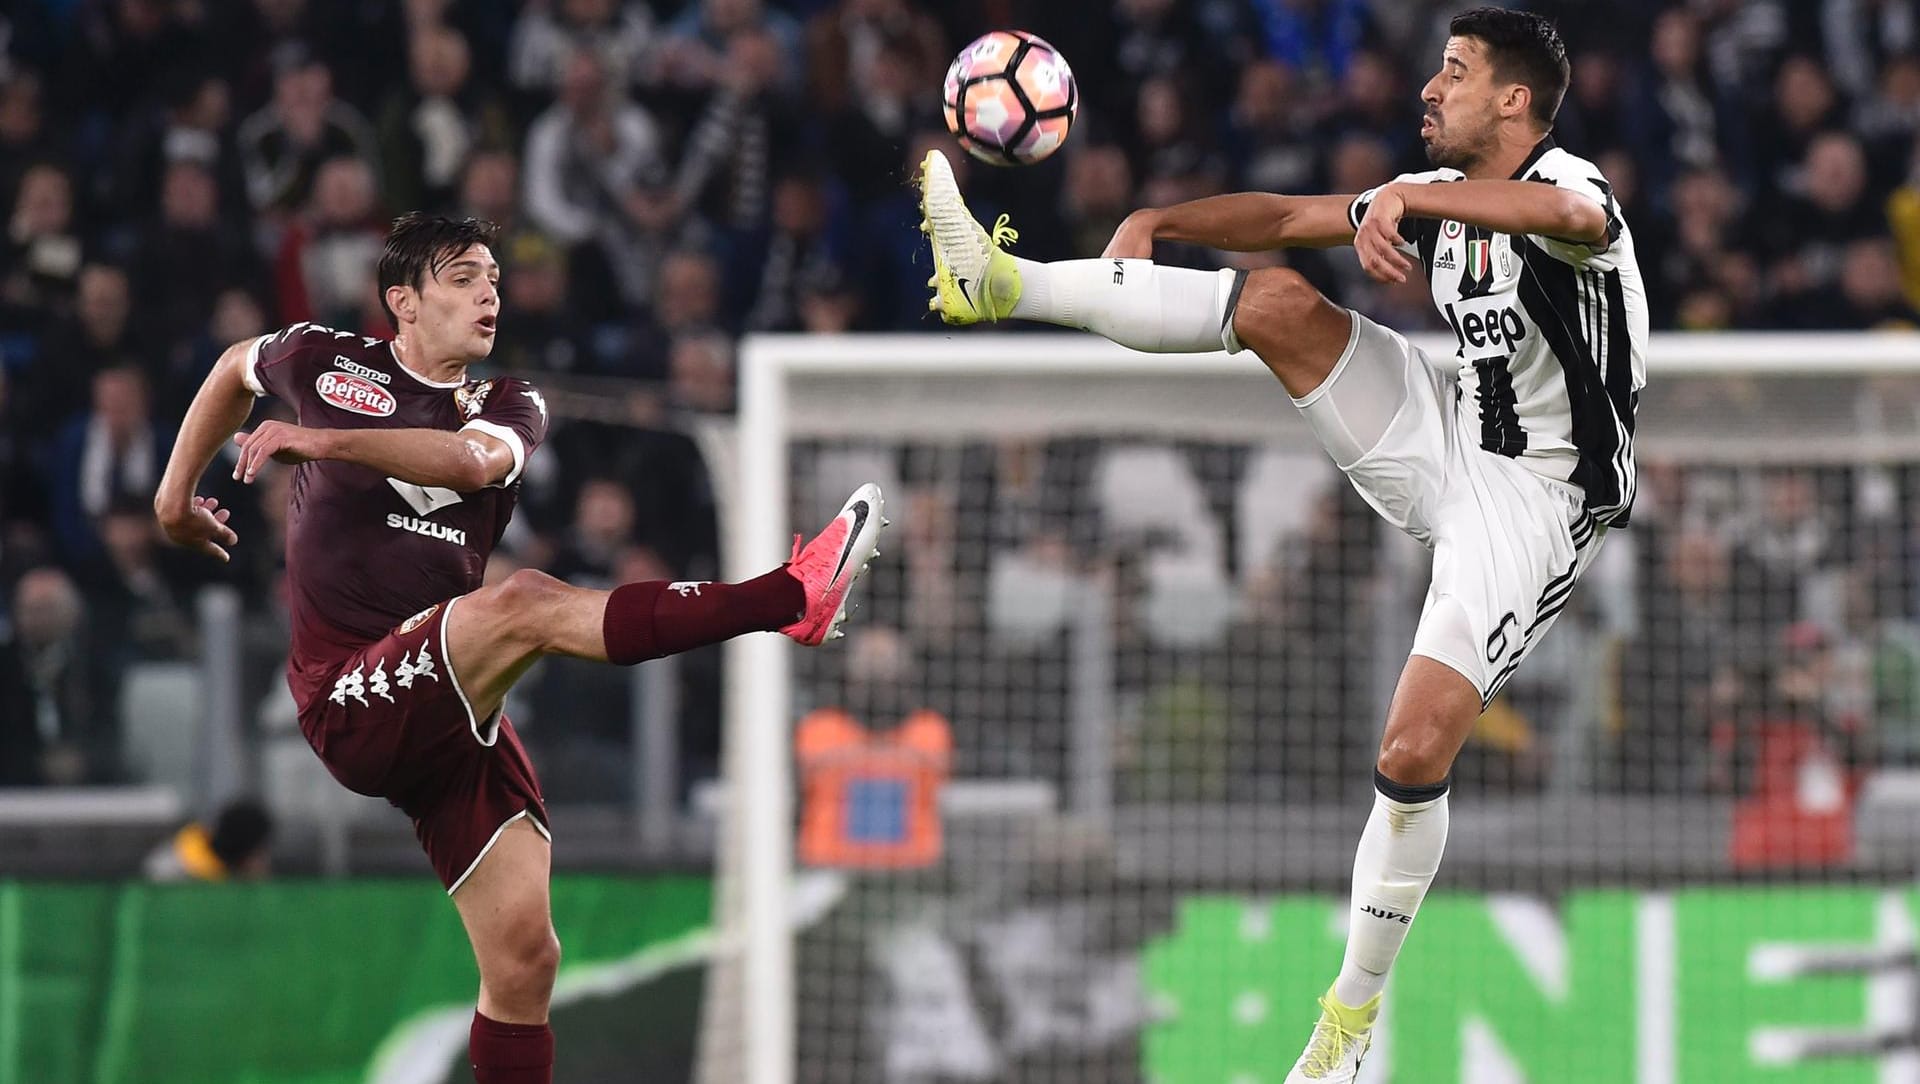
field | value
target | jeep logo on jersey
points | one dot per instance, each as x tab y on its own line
1486	331
355	393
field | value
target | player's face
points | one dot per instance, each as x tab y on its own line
1461	119
460	306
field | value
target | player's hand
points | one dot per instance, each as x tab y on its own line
1378	235
1134	239
278	441
201	526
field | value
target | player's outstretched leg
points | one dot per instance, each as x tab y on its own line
1298	333
496	633
1135	303
1433	708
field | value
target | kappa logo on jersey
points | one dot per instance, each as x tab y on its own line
472	399
356	394
688	587
538	400
341	361
418	619
412	669
351	685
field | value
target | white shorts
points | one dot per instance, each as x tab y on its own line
1508	544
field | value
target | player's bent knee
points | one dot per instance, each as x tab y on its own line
1418	755
1273	299
522	599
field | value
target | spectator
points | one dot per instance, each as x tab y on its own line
594	161
113	452
620	34
428	131
725	168
602	531
696	53
23	135
284	144
1266	131
325	269
1828	209
40	261
238	846
1866	296
852	44
59	692
688	299
1098	197
194	124
99	335
185	258
1672	122
770	271
539	330
700	368
140	592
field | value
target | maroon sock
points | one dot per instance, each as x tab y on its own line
647	620
510	1053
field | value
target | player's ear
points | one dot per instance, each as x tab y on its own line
1516	100
402	301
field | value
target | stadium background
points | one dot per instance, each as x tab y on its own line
1744	678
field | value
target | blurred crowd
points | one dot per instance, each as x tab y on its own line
671	175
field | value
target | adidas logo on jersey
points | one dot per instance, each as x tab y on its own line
1444	261
427	528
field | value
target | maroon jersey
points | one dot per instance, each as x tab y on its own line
365	551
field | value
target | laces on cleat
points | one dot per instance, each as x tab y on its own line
1003	234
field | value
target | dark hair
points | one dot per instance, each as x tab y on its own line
1526	49
243	828
421	244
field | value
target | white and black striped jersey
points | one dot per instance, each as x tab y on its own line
1552	333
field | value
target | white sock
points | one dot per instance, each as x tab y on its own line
1398	856
1137	303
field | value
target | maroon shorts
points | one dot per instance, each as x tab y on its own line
393	723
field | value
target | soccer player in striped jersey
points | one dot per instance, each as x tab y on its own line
1510	460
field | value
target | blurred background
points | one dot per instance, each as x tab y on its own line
1203	618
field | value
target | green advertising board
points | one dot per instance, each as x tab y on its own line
333	982
1747	985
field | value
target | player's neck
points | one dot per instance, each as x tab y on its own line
1509	154
435	370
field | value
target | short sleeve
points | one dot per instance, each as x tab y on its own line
286	361
1582	178
1409	227
514	413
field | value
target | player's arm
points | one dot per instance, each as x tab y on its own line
1520	207
465	461
219	409
1240	222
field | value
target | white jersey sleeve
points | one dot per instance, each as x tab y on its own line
1579	176
1409	227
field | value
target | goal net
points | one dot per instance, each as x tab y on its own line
1077	798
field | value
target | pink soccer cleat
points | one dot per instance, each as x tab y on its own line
828	566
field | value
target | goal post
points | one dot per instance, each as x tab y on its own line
1164	610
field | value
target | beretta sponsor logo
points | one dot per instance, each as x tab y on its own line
355	393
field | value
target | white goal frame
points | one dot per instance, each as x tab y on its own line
758	750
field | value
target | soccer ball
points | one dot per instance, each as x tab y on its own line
1010	98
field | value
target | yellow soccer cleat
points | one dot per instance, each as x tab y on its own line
1340	1040
974	279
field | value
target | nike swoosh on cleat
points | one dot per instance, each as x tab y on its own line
859	521
963	292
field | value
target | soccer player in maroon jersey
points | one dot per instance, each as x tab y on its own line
400	659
